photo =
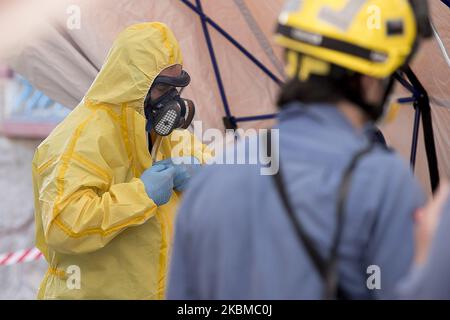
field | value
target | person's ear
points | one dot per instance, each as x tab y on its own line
372	89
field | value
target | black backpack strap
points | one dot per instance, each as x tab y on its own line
326	268
343	192
318	261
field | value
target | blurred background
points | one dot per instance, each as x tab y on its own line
26	117
50	52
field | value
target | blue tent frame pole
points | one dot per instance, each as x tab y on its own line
212	56
233	41
229	120
256	118
423	104
415	137
422	114
417	115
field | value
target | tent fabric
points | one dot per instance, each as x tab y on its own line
102	20
64	62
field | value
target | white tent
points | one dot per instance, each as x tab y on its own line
62	61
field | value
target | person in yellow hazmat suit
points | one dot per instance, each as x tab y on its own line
105	183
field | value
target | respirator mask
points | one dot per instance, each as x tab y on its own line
169	111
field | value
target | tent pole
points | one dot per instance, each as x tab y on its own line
228	124
415	136
423	104
257	118
233	41
229	120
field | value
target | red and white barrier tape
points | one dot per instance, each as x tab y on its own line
21	256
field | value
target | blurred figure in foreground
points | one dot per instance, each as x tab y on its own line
429	278
341	204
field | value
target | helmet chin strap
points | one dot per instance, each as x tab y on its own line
373	111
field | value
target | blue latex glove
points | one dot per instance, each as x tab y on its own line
158	181
185	169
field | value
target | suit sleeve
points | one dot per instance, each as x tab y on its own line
82	209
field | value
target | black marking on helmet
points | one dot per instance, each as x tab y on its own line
319	40
395	27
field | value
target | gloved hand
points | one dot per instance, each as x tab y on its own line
185	169
158	181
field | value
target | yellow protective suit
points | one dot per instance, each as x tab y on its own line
91	208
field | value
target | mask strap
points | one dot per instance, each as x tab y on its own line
186	122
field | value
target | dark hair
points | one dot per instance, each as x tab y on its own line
338	85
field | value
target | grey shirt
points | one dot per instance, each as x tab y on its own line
233	239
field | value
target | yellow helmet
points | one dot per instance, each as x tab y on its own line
371	37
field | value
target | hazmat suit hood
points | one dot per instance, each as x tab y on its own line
136	58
